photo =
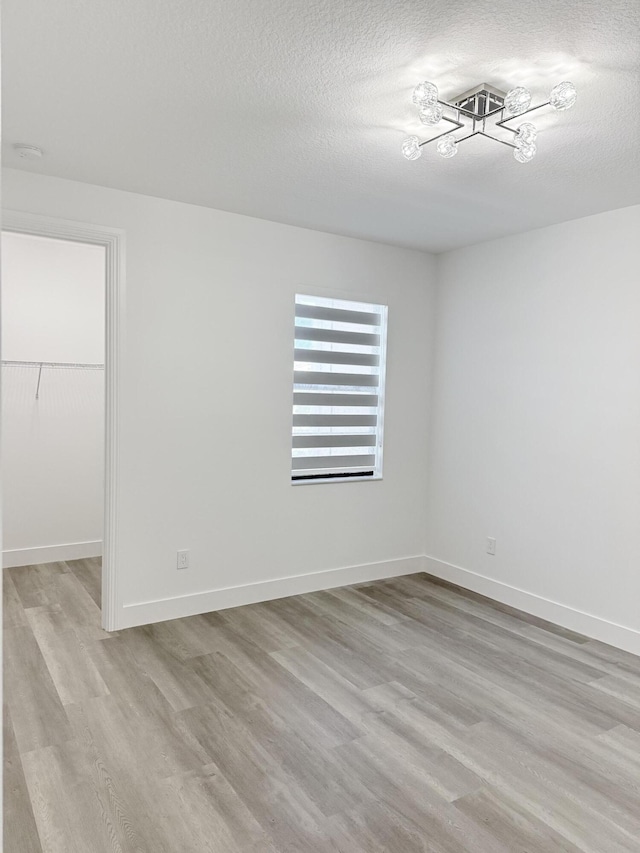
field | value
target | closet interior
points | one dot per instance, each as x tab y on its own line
53	339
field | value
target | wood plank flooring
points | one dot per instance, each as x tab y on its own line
404	716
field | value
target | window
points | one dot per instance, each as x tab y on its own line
338	391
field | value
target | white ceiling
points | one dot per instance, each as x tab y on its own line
295	110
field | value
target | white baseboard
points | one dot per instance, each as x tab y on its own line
51	554
591	626
162	609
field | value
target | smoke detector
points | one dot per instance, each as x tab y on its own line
28	152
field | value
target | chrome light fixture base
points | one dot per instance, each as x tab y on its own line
480	102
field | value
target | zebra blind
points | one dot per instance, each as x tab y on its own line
338	390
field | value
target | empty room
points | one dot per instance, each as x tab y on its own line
320	426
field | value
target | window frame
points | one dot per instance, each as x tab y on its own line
365	304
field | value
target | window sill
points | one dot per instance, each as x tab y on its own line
336	480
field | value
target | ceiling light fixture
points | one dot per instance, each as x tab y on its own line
483	111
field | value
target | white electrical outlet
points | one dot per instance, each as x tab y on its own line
183	560
491	545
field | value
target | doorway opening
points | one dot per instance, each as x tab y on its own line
61	285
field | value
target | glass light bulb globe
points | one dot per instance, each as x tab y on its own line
447	146
431	114
526	135
517	100
563	96
411	148
525	153
425	94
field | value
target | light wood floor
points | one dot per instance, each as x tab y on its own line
398	716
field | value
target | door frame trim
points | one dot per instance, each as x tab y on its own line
113	241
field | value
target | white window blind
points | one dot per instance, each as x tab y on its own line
338	391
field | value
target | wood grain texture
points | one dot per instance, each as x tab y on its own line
401	716
20	831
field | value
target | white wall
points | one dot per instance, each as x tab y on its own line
206	402
535	430
534	416
52	300
52	310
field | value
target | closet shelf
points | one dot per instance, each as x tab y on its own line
72	364
63	365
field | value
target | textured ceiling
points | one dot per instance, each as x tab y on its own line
295	110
